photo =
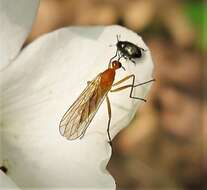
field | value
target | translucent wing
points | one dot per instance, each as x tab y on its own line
77	118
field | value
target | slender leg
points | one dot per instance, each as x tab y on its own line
109	121
121	88
129	85
132	86
132	60
120	56
140	84
122	80
113	57
117	37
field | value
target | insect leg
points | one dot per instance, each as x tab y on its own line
122	80
113	58
132	86
140	84
117	37
109	121
132	60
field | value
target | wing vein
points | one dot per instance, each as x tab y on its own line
78	117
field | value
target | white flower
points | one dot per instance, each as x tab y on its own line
40	84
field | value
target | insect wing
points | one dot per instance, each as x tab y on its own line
76	120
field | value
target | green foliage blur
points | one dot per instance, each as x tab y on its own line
197	13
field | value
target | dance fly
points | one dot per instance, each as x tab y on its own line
77	118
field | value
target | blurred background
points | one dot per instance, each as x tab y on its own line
165	146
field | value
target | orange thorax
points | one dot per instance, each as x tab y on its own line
107	79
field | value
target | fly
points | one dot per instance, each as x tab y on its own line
77	118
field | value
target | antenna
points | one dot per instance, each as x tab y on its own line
117	37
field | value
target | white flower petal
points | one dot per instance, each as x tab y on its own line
37	90
15	27
16	18
6	183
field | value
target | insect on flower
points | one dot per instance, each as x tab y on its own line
128	50
77	118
